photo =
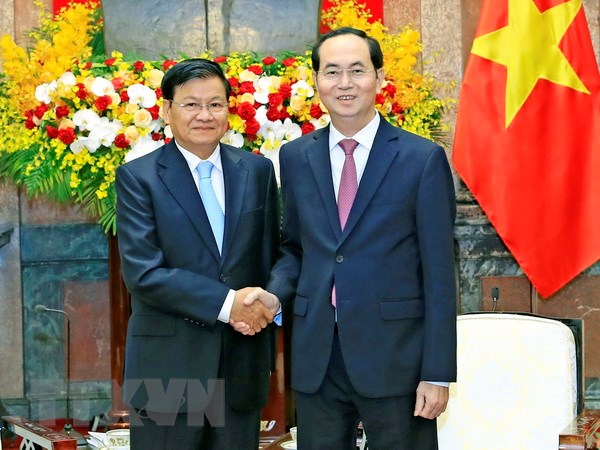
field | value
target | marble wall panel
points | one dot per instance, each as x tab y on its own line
65	267
221	26
399	13
11	333
7	18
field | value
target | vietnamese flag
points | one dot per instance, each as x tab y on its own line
527	140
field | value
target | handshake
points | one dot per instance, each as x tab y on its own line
253	309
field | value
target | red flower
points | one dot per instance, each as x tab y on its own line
234	82
124	96
255	69
315	111
81	91
40	110
275	99
154	112
121	141
167	64
252	127
157	136
61	111
397	109
268	60
285	90
246	110
247	86
380	99
390	89
307	127
273	114
66	135
158	92
220	59
110	61
103	102
87	65
117	83
52	131
288	62
30	124
138	65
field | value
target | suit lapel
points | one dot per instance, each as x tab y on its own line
381	156
236	179
175	173
320	164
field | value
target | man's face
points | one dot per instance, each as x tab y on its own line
198	132
349	99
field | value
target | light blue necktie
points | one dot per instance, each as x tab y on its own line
211	204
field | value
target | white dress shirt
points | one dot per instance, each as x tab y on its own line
218	184
365	138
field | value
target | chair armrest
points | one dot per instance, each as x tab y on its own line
582	432
33	433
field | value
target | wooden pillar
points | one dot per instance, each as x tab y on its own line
120	310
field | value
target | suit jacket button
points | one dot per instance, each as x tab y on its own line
223	278
339	259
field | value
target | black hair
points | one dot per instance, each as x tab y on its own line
189	69
373	44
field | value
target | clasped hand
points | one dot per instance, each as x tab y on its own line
249	316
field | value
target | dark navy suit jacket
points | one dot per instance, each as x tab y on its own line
178	281
393	264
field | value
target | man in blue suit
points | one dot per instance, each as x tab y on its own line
191	242
368	265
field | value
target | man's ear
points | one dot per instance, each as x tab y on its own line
380	77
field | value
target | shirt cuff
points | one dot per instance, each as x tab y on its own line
439	383
225	312
277	318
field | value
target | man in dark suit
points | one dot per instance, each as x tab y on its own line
371	278
190	244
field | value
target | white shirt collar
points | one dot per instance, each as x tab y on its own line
364	137
193	160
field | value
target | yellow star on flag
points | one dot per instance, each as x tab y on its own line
528	47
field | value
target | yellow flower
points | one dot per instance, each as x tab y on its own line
142	118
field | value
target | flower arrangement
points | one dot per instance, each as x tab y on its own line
70	117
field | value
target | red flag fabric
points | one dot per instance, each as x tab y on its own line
59	4
527	140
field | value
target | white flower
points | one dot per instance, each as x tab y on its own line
103	135
143	146
270	149
43	92
233	138
302	88
142	95
78	145
291	130
101	86
261	115
86	119
67	79
263	87
321	122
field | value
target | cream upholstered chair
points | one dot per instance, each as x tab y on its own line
518	384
